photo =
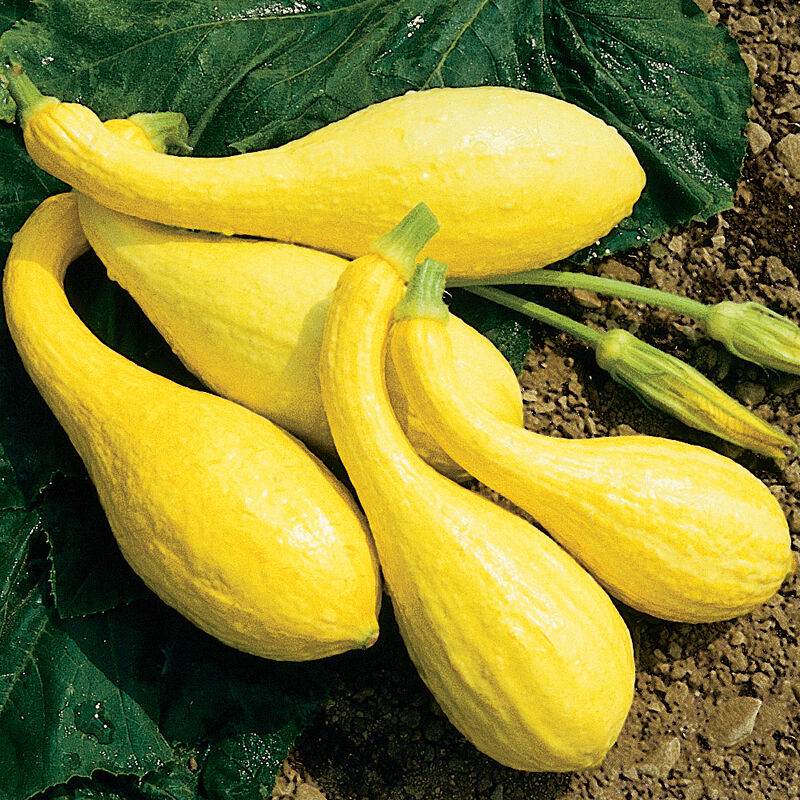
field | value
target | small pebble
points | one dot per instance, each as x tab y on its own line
694	791
732	721
676	696
758	138
587	299
677	244
788	102
737	660
619	272
747	24
751	63
788	152
737	638
760	681
660	761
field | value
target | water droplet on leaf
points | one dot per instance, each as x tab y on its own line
90	719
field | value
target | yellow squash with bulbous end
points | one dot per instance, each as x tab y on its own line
672	529
246	317
226	517
517	179
522	649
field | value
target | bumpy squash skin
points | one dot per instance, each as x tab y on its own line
524	652
516	179
226	517
674	530
246	317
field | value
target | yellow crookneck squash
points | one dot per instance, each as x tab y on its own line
226	517
517	179
672	529
246	317
522	649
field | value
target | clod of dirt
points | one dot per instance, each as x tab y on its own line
662	759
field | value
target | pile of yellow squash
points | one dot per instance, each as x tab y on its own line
234	522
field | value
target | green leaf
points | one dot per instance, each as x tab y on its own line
77	695
244	767
170	782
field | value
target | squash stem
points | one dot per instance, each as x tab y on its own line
593	283
749	330
167	131
401	246
25	93
537	312
423	298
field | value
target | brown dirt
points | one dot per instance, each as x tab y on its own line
716	709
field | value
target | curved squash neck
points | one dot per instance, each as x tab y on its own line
423	356
70	142
70	366
356	337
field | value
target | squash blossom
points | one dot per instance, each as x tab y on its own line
755	333
672	386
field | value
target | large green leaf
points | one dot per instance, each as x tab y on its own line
77	695
255	76
170	782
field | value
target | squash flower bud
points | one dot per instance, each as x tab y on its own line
672	386
755	333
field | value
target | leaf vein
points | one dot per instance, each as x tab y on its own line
456	39
217	24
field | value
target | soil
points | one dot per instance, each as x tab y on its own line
715	713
